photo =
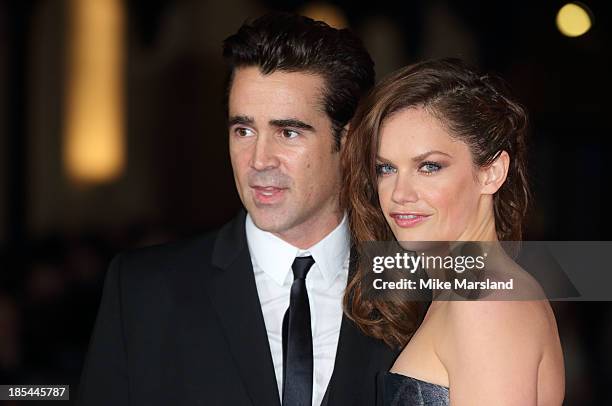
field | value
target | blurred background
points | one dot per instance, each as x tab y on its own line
112	136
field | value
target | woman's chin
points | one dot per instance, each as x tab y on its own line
412	235
424	246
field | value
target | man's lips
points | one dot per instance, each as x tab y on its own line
268	194
409	219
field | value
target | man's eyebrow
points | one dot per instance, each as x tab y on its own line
424	155
243	120
291	122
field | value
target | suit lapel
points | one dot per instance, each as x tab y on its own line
233	294
351	364
359	359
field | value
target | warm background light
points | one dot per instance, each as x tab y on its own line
328	13
573	20
94	146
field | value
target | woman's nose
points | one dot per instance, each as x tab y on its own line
404	190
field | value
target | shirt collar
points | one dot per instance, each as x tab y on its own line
274	256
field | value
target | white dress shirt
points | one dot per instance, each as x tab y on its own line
325	282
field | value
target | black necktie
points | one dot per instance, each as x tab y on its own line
297	340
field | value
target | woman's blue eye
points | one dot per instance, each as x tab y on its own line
384	169
430	167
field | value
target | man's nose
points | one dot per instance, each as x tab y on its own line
264	154
404	190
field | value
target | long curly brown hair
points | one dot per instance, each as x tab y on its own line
476	109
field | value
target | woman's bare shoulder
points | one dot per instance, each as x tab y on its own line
487	331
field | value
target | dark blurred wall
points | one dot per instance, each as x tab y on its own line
178	172
4	99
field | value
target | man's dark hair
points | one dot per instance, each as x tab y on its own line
293	43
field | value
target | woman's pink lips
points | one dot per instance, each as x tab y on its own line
268	194
414	219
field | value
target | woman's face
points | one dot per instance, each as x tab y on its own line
428	186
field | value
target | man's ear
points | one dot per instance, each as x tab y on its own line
345	131
494	175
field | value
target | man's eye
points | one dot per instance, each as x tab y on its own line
384	169
243	132
290	133
430	167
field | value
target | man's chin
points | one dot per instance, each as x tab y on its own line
269	219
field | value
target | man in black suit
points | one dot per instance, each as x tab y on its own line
252	314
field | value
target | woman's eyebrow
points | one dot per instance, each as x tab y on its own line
424	155
417	158
380	158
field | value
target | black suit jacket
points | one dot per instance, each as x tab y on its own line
181	324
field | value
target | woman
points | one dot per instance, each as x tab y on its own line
437	153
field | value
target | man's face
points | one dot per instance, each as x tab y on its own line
282	151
